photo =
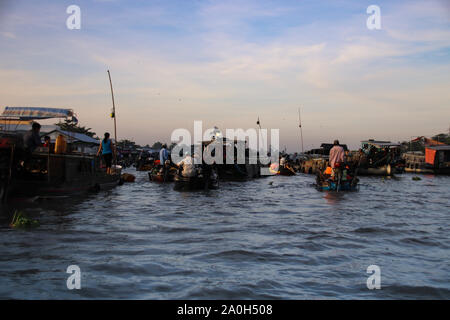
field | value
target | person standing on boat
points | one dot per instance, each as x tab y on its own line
337	155
163	157
32	139
107	149
163	154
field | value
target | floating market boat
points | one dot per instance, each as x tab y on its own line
197	182
158	174
276	169
44	173
331	185
343	180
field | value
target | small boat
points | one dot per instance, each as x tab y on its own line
286	171
158	174
330	185
276	169
197	182
345	182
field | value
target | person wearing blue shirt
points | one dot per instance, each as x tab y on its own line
107	149
163	154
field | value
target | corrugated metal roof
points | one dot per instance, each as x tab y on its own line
76	136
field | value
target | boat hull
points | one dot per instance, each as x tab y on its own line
195	183
333	186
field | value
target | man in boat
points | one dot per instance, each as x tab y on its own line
337	155
163	154
164	160
32	139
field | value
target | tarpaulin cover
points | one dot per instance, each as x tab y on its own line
30	113
430	155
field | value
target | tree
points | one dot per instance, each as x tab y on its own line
68	125
127	143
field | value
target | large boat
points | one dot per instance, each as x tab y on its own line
44	173
435	159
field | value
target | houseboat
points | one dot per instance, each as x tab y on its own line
47	171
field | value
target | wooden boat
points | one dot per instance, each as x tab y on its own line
276	169
158	175
385	170
197	182
341	182
330	185
46	174
286	171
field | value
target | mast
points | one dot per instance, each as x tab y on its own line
300	126
259	125
113	115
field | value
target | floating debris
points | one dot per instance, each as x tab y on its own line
19	220
416	178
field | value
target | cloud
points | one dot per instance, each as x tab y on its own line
8	35
228	62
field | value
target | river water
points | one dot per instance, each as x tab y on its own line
272	238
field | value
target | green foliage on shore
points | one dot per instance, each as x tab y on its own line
67	125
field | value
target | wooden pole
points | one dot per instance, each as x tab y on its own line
114	113
300	126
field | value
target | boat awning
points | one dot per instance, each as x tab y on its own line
34	113
430	155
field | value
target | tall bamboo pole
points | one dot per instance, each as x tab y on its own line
114	113
300	126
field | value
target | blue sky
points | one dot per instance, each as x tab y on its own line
228	62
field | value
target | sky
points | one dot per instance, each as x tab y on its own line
229	62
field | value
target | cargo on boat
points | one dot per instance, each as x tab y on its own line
59	169
379	158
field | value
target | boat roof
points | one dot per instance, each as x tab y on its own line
74	136
439	148
21	128
35	113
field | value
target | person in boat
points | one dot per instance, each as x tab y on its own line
164	157
47	142
337	156
163	154
188	166
107	149
32	139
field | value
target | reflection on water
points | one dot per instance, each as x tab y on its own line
276	237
